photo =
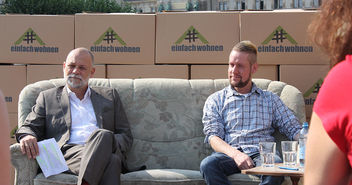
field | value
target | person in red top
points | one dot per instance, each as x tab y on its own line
329	144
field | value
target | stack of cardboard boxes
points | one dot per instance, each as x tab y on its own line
188	45
28	41
283	40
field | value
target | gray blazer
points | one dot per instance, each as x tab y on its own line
51	117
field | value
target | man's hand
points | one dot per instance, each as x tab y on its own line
29	146
243	161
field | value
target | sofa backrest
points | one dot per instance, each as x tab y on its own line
165	115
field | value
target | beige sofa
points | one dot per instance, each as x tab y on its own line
165	117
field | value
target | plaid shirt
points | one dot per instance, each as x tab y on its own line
243	120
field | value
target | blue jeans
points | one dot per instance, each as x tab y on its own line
216	167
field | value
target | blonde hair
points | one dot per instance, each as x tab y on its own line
247	47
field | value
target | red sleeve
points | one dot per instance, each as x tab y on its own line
333	104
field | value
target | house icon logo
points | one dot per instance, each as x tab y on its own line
280	41
30	42
279	35
108	43
109	36
314	89
191	35
188	43
29	37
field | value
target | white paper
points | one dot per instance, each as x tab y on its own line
50	158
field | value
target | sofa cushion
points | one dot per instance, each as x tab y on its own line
163	176
179	176
151	177
243	179
165	118
60	179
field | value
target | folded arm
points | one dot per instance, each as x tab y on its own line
32	129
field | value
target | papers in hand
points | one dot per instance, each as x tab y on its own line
50	158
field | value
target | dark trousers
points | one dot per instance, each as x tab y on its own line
216	167
97	162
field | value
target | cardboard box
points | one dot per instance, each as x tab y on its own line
12	81
196	37
100	71
281	37
117	38
35	39
147	71
307	78
37	73
220	71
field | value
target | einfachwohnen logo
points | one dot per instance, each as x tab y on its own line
191	35
278	36
110	37
313	90
28	43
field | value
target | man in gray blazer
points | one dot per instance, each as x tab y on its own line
89	124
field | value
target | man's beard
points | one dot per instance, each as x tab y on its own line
241	83
71	81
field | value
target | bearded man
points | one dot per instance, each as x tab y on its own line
238	117
88	123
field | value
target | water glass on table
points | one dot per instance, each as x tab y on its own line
289	152
267	153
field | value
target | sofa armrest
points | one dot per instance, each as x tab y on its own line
25	169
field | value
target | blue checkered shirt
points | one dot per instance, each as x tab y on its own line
243	120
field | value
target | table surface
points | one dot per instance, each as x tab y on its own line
273	171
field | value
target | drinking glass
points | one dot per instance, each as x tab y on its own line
289	152
267	153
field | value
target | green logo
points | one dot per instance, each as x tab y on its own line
314	89
109	36
191	34
279	35
29	36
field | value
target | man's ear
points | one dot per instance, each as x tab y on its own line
63	66
92	71
254	68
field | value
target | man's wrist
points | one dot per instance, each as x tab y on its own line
235	153
22	136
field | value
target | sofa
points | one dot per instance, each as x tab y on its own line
165	118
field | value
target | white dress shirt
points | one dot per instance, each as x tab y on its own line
83	117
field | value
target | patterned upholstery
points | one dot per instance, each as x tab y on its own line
165	117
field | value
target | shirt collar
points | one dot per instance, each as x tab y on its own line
233	92
72	94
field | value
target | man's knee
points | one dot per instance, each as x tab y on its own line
103	133
207	163
103	136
